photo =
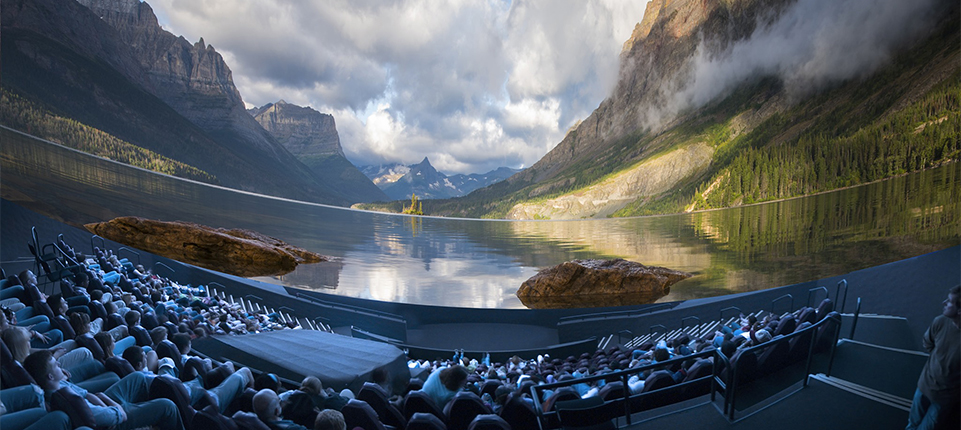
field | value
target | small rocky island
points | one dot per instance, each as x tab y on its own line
236	251
596	283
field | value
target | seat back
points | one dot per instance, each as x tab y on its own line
357	413
519	413
488	422
612	391
463	408
12	374
419	401
563	393
425	421
824	309
785	327
168	387
589	413
376	397
774	357
658	379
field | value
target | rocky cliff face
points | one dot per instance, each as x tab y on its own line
312	137
653	60
191	78
302	130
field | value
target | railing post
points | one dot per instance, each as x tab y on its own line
786	296
813	290
857	313
837	294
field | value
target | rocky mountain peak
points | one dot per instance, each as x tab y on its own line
302	130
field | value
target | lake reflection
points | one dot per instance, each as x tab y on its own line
480	263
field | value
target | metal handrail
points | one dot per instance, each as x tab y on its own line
786	296
624	375
161	264
857	313
103	243
813	290
837	294
651	328
689	317
629	333
721	313
815	328
130	250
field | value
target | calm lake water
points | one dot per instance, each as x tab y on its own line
481	263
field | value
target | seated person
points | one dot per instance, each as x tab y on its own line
322	399
123	405
41	335
132	318
443	384
267	407
329	419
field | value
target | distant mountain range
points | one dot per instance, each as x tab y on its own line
399	181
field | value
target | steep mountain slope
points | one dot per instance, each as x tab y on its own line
400	181
62	56
312	137
652	147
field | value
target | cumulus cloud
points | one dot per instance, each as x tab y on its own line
471	84
813	43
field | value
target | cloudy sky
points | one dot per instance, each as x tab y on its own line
471	84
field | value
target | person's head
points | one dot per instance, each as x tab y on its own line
728	348
135	356
57	304
952	309
96	295
182	340
762	336
158	334
132	317
110	307
106	342
661	354
81	279
18	341
80	322
267	405
454	377
268	381
44	369
27	278
330	419
9	316
312	385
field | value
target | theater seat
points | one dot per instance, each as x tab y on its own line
419	401
376	397
488	422
425	421
463	408
518	413
357	413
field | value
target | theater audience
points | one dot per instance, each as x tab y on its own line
124	405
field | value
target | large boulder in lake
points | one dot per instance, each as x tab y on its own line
236	251
594	283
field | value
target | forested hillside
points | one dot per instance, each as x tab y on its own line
20	114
